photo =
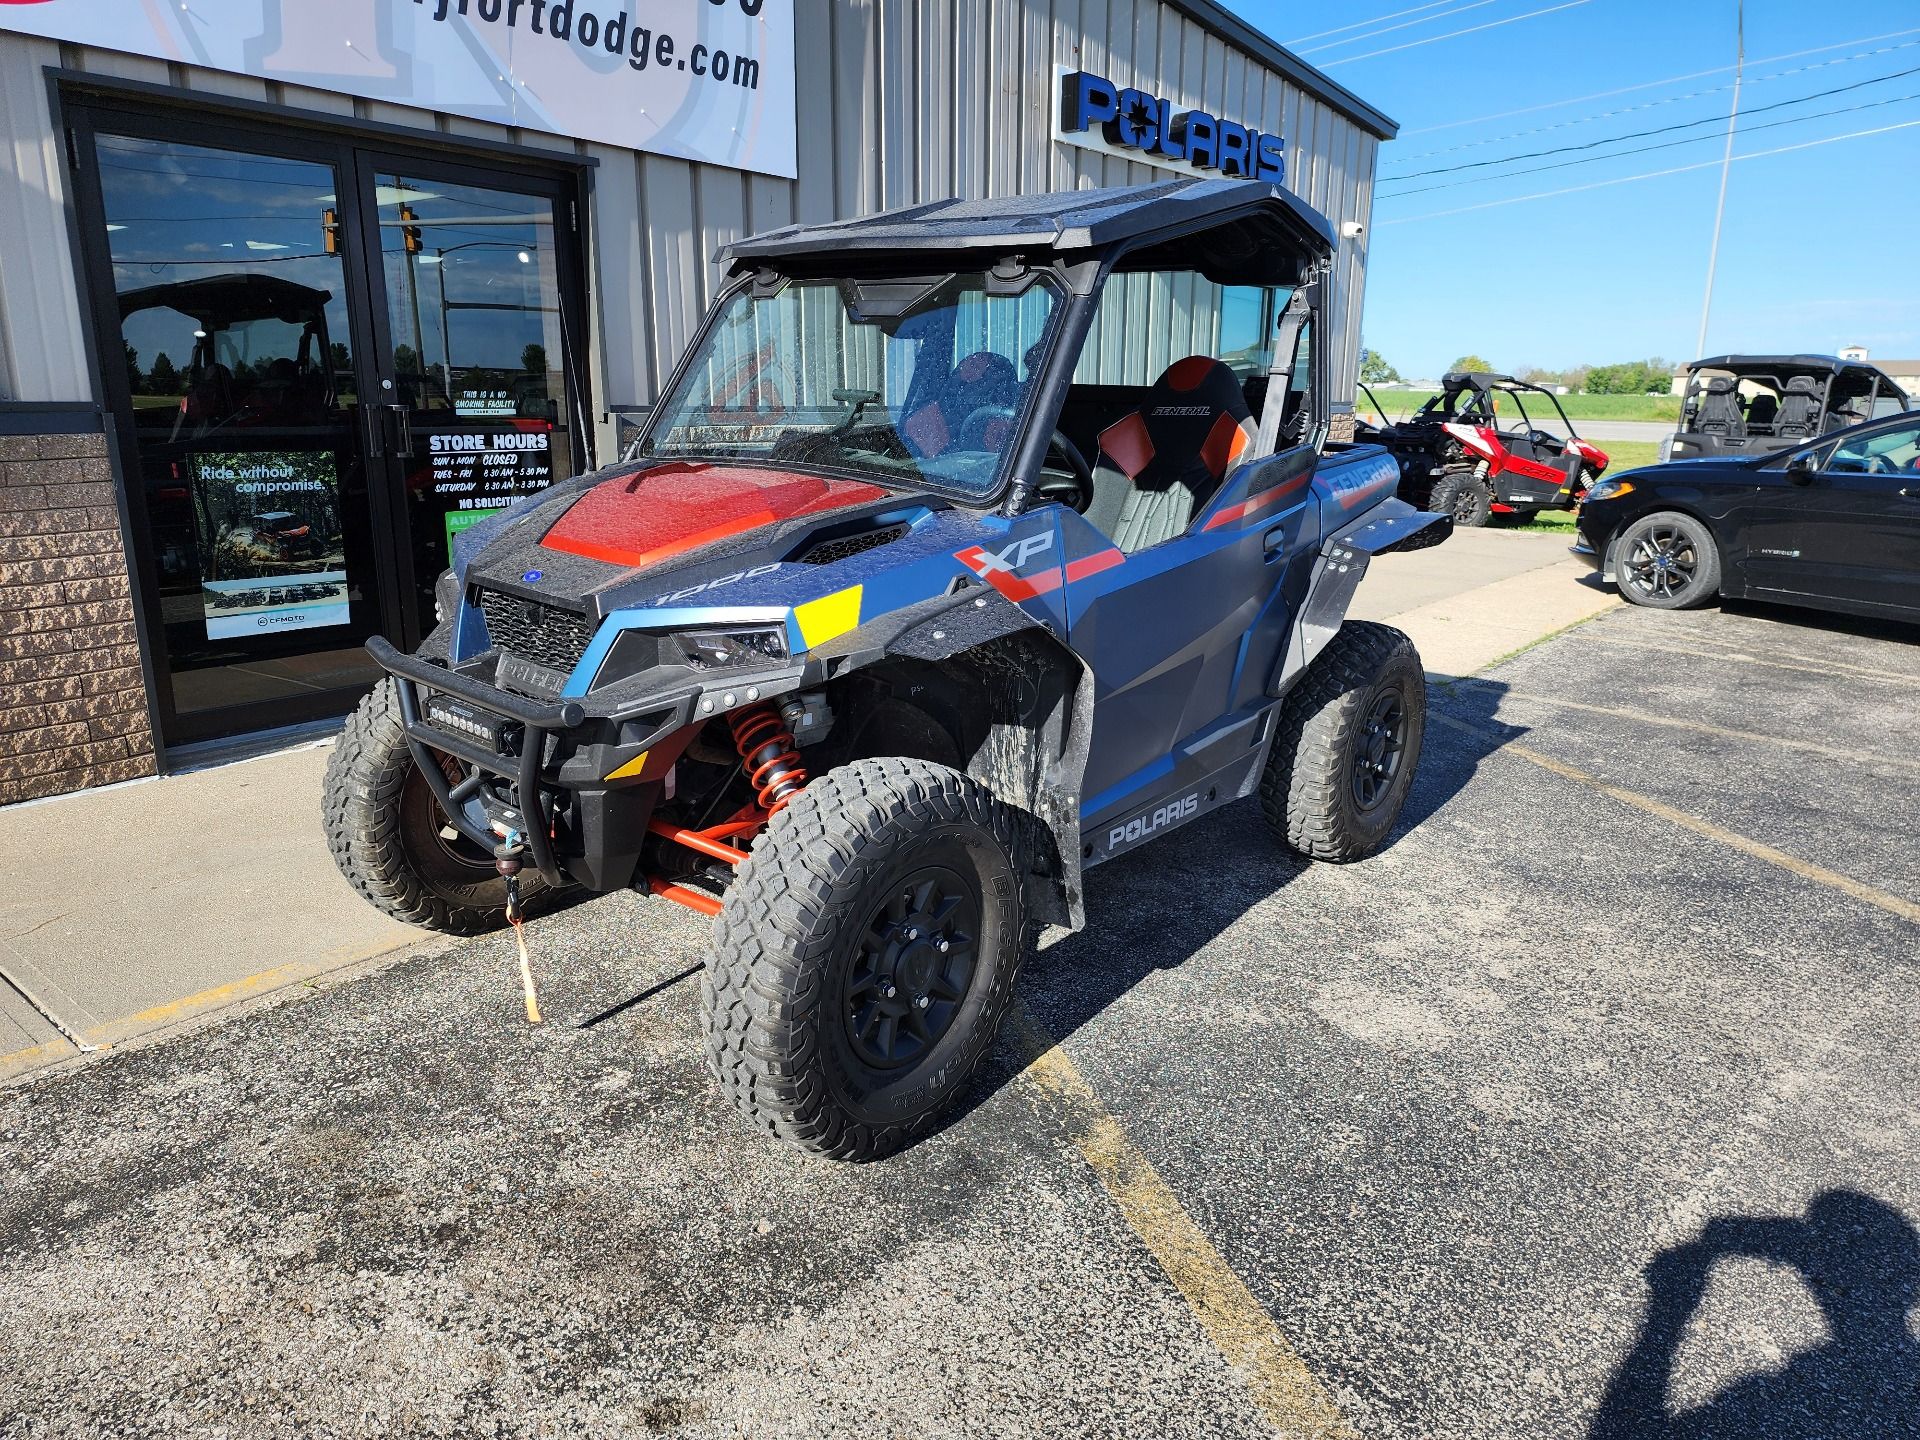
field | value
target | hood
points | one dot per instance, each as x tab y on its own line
641	520
608	540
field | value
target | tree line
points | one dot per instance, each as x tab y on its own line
1652	376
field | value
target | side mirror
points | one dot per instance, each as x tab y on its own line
1801	470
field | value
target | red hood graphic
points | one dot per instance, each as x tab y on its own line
643	519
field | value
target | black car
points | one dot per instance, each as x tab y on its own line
1833	523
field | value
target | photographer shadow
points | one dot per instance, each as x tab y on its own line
1860	1261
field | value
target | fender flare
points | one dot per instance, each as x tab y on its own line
1042	718
1338	568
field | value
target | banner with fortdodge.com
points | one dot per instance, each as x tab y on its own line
708	80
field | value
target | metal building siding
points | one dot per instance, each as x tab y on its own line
42	354
899	101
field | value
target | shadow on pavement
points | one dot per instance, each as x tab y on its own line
1859	1259
1157	907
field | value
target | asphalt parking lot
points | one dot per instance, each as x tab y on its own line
1588	1108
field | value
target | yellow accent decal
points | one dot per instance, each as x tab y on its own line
829	617
632	768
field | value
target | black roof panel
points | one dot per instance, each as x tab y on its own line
1780	362
1064	220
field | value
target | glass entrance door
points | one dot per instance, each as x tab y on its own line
231	315
475	343
325	358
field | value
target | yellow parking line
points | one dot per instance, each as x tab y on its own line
1805	869
1288	1394
1642	717
34	1056
1709	652
280	976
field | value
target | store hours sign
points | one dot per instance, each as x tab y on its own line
707	80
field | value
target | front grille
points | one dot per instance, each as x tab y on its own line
536	631
828	551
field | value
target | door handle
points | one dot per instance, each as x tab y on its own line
1273	540
400	419
1911	492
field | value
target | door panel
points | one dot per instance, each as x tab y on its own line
1182	637
1852	532
474	360
230	312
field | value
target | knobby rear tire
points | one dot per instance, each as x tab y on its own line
1307	791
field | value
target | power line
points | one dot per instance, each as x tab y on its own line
1651	84
1643	134
1362	24
1649	104
1455	34
1664	145
1403	25
1726	166
1649	175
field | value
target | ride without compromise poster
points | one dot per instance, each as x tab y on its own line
272	549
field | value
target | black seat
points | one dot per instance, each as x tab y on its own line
1762	412
985	380
1720	409
1799	409
1158	465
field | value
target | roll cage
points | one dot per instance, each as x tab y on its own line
1480	405
1235	232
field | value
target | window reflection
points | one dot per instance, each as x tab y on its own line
235	337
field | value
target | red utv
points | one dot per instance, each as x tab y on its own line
1458	456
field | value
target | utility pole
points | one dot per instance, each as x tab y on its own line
1726	165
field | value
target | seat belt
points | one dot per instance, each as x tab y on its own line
1286	346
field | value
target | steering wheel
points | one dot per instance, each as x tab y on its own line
1075	492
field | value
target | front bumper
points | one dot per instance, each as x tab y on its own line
585	773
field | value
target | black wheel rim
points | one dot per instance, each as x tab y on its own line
1466	501
913	964
1378	750
425	831
1662	563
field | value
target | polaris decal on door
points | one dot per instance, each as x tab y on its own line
1154	821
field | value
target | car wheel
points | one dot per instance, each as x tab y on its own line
1667	561
1463	495
1347	745
865	956
390	840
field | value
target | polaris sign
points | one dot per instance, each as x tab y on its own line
1099	115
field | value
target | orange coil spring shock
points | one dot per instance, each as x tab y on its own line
769	755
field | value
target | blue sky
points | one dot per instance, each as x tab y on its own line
1821	246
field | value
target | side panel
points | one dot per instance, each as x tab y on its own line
1180	637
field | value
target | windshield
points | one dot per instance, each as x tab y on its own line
909	382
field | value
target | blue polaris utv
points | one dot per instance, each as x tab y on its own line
970	546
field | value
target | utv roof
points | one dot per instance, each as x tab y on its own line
1479	380
1781	362
1062	221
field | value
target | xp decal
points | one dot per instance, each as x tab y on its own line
1001	568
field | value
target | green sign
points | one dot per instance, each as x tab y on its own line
458	520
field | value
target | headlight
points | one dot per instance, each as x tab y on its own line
1608	490
718	649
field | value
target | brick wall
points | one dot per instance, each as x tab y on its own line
73	708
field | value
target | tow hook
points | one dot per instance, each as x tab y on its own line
509	858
